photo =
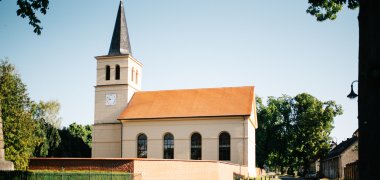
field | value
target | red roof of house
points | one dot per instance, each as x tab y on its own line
207	102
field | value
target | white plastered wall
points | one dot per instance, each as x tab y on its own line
110	113
251	149
106	141
182	129
107	129
252	125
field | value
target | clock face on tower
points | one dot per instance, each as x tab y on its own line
110	99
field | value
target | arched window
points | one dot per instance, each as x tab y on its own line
142	146
224	146
196	146
132	74
108	72
137	76
168	146
117	72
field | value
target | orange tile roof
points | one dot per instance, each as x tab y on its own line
207	102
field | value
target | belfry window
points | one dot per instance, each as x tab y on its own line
133	73
142	146
137	76
117	72
224	147
196	146
168	146
108	72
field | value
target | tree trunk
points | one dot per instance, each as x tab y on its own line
369	88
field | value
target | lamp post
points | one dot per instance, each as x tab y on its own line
352	94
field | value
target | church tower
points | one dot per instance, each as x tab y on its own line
118	77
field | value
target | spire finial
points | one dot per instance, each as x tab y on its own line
120	44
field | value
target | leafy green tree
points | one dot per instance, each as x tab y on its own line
49	111
75	141
293	131
313	123
83	132
369	78
29	8
19	127
328	9
46	116
272	142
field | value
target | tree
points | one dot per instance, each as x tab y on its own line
313	123
45	115
273	134
294	130
83	132
19	127
75	141
29	8
49	111
369	75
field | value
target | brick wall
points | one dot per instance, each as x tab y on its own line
125	165
148	168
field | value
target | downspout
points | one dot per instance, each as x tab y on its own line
243	142
340	166
243	139
121	140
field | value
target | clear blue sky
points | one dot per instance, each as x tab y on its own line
273	45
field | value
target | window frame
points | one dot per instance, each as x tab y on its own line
137	76
108	72
168	144
132	74
196	146
142	146
224	146
117	72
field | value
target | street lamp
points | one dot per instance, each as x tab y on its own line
352	94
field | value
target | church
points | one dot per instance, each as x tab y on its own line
214	124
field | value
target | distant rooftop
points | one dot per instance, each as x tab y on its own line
340	148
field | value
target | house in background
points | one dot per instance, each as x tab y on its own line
344	153
216	124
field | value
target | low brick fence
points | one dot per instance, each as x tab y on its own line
88	164
145	168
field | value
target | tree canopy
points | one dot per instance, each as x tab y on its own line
46	117
29	8
328	9
294	130
76	141
19	127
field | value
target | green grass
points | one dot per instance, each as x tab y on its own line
64	175
263	178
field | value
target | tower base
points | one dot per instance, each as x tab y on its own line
6	165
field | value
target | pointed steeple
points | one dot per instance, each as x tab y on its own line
120	44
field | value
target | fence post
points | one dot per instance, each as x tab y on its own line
62	168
